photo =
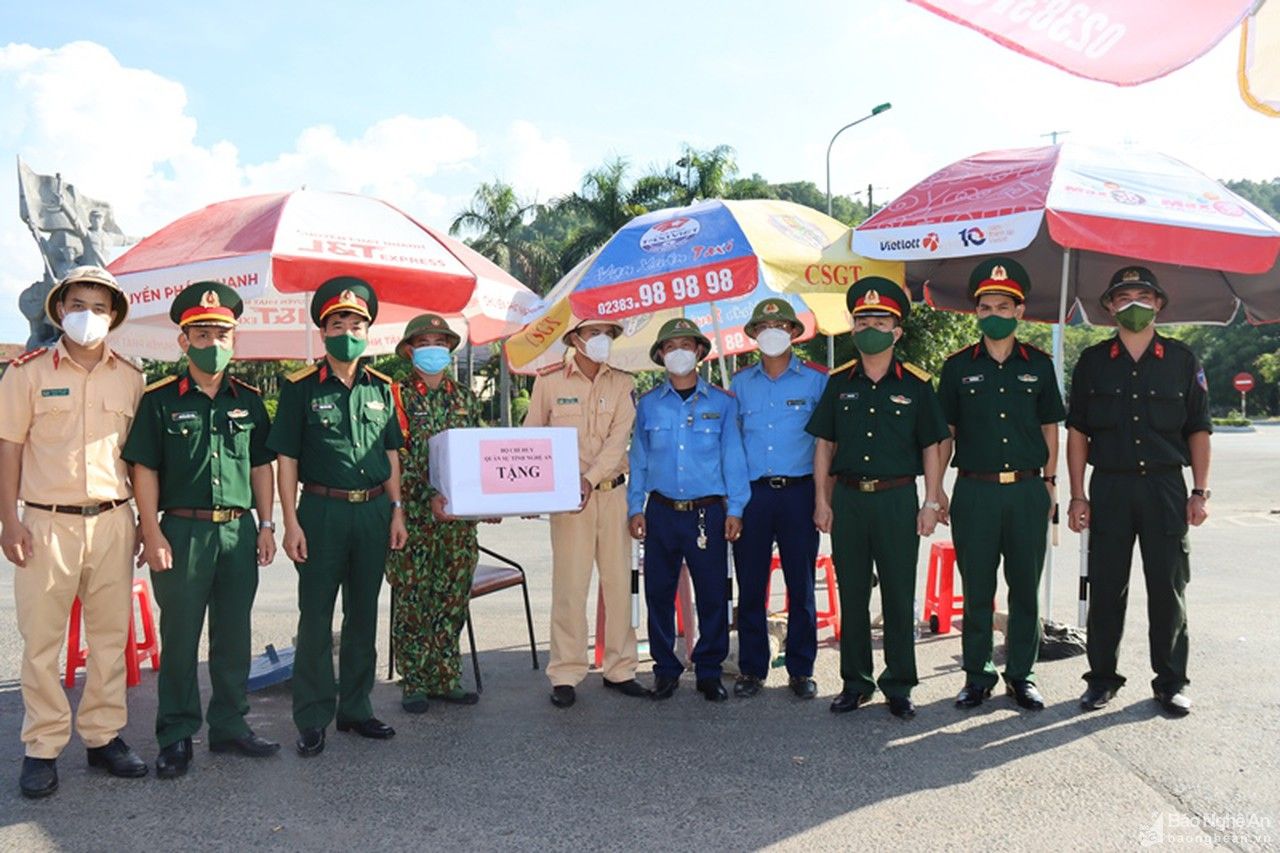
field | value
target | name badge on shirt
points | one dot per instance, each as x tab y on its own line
711	416
185	416
797	402
848	395
55	392
900	400
321	407
566	401
969	380
1027	377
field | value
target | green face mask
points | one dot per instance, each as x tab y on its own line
345	347
1135	317
870	341
212	359
997	328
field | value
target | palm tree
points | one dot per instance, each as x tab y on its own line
704	174
606	203
498	221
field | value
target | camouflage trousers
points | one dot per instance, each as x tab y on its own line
427	624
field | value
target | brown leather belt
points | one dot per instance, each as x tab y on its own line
351	496
1004	477
611	484
687	506
867	484
217	516
782	482
86	511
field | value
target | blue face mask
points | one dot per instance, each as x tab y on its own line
431	359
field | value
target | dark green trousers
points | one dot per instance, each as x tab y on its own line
990	521
1152	509
876	529
215	568
347	551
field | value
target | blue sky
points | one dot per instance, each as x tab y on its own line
160	109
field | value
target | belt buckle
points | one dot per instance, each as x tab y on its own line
357	496
91	511
777	482
220	516
682	506
1007	477
867	485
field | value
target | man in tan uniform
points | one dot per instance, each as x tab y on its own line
598	401
64	414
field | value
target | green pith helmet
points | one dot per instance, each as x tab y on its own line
344	293
678	328
774	309
88	275
422	324
613	329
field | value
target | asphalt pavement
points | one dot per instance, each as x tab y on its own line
614	773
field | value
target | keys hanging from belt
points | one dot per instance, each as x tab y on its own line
702	530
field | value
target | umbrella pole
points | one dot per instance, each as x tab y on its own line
1082	613
1058	357
504	388
636	557
831	353
715	322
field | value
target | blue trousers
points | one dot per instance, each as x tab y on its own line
784	516
670	539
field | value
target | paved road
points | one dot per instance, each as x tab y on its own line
615	773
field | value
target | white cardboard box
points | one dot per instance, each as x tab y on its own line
495	471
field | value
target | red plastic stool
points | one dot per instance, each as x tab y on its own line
940	600
829	618
135	653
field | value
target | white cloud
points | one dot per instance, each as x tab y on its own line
537	166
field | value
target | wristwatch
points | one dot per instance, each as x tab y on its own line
267	525
1051	479
933	505
397	504
1203	493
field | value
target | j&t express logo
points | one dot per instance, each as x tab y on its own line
667	235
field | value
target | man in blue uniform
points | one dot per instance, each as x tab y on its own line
776	397
687	460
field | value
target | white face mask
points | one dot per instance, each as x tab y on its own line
773	341
86	328
597	348
680	362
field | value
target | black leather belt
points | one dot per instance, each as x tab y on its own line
87	511
1005	477
611	484
351	496
782	482
879	484
687	506
217	516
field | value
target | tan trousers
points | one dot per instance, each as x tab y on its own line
597	535
92	558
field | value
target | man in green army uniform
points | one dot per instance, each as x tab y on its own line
336	433
1139	413
199	453
878	424
431	577
1001	399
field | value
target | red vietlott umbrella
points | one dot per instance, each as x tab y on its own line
276	249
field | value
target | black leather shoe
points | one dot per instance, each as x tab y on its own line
664	688
971	696
563	695
39	777
310	742
630	687
1178	704
804	687
415	704
1096	697
371	728
1025	694
712	690
747	686
118	760
247	744
902	707
849	700
174	759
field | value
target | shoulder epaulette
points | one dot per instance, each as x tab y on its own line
550	368
723	390
379	375
303	373
964	349
851	363
160	383
918	372
821	368
135	363
1034	348
29	355
246	385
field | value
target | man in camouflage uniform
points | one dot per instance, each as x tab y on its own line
431	578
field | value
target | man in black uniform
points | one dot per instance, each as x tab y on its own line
1139	412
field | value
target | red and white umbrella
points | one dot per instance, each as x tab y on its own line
276	249
1072	215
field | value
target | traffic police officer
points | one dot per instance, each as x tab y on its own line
776	398
336	433
687	460
1139	412
64	415
597	400
432	575
877	424
1001	400
199	453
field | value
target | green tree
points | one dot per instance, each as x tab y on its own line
699	175
606	202
497	222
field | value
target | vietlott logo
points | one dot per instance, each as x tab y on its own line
1209	830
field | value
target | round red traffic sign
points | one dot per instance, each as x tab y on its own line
1243	382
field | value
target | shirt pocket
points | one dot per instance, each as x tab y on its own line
1168	412
120	410
52	419
1104	409
373	423
706	434
566	415
660	437
183	437
328	422
239	435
